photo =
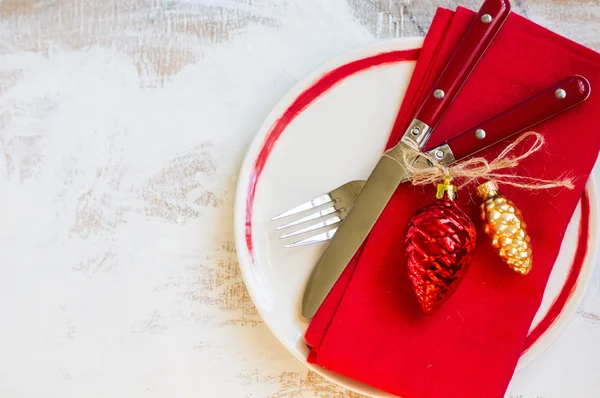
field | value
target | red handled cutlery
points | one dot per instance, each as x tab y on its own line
389	171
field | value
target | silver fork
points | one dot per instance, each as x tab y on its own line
318	219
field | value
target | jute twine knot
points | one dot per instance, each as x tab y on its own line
479	168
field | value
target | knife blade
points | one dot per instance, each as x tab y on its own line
389	172
548	103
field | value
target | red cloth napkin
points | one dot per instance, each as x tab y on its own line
370	327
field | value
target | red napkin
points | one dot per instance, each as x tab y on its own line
370	327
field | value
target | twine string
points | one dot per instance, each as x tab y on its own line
477	168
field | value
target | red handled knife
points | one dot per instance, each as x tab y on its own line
389	171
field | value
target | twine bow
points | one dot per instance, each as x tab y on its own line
479	168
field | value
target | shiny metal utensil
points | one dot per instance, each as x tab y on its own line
390	172
317	220
387	175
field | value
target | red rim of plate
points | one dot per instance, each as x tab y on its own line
334	77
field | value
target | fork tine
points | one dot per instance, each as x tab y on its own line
316	202
325	236
310	217
313	227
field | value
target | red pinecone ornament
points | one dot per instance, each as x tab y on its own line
439	244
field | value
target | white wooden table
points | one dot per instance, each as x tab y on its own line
122	126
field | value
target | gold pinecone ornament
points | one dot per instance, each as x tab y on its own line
506	228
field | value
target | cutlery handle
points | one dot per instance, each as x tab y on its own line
483	29
548	103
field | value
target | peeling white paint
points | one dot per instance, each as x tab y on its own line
122	127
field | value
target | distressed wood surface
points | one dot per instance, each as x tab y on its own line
122	126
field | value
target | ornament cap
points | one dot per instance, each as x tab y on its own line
446	188
487	189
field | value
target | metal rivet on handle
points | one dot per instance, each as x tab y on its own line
480	134
439	94
439	154
560	93
486	18
415	131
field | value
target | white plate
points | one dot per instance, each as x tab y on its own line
338	137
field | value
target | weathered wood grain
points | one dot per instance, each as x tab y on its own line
199	310
578	20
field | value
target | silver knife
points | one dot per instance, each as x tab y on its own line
389	172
